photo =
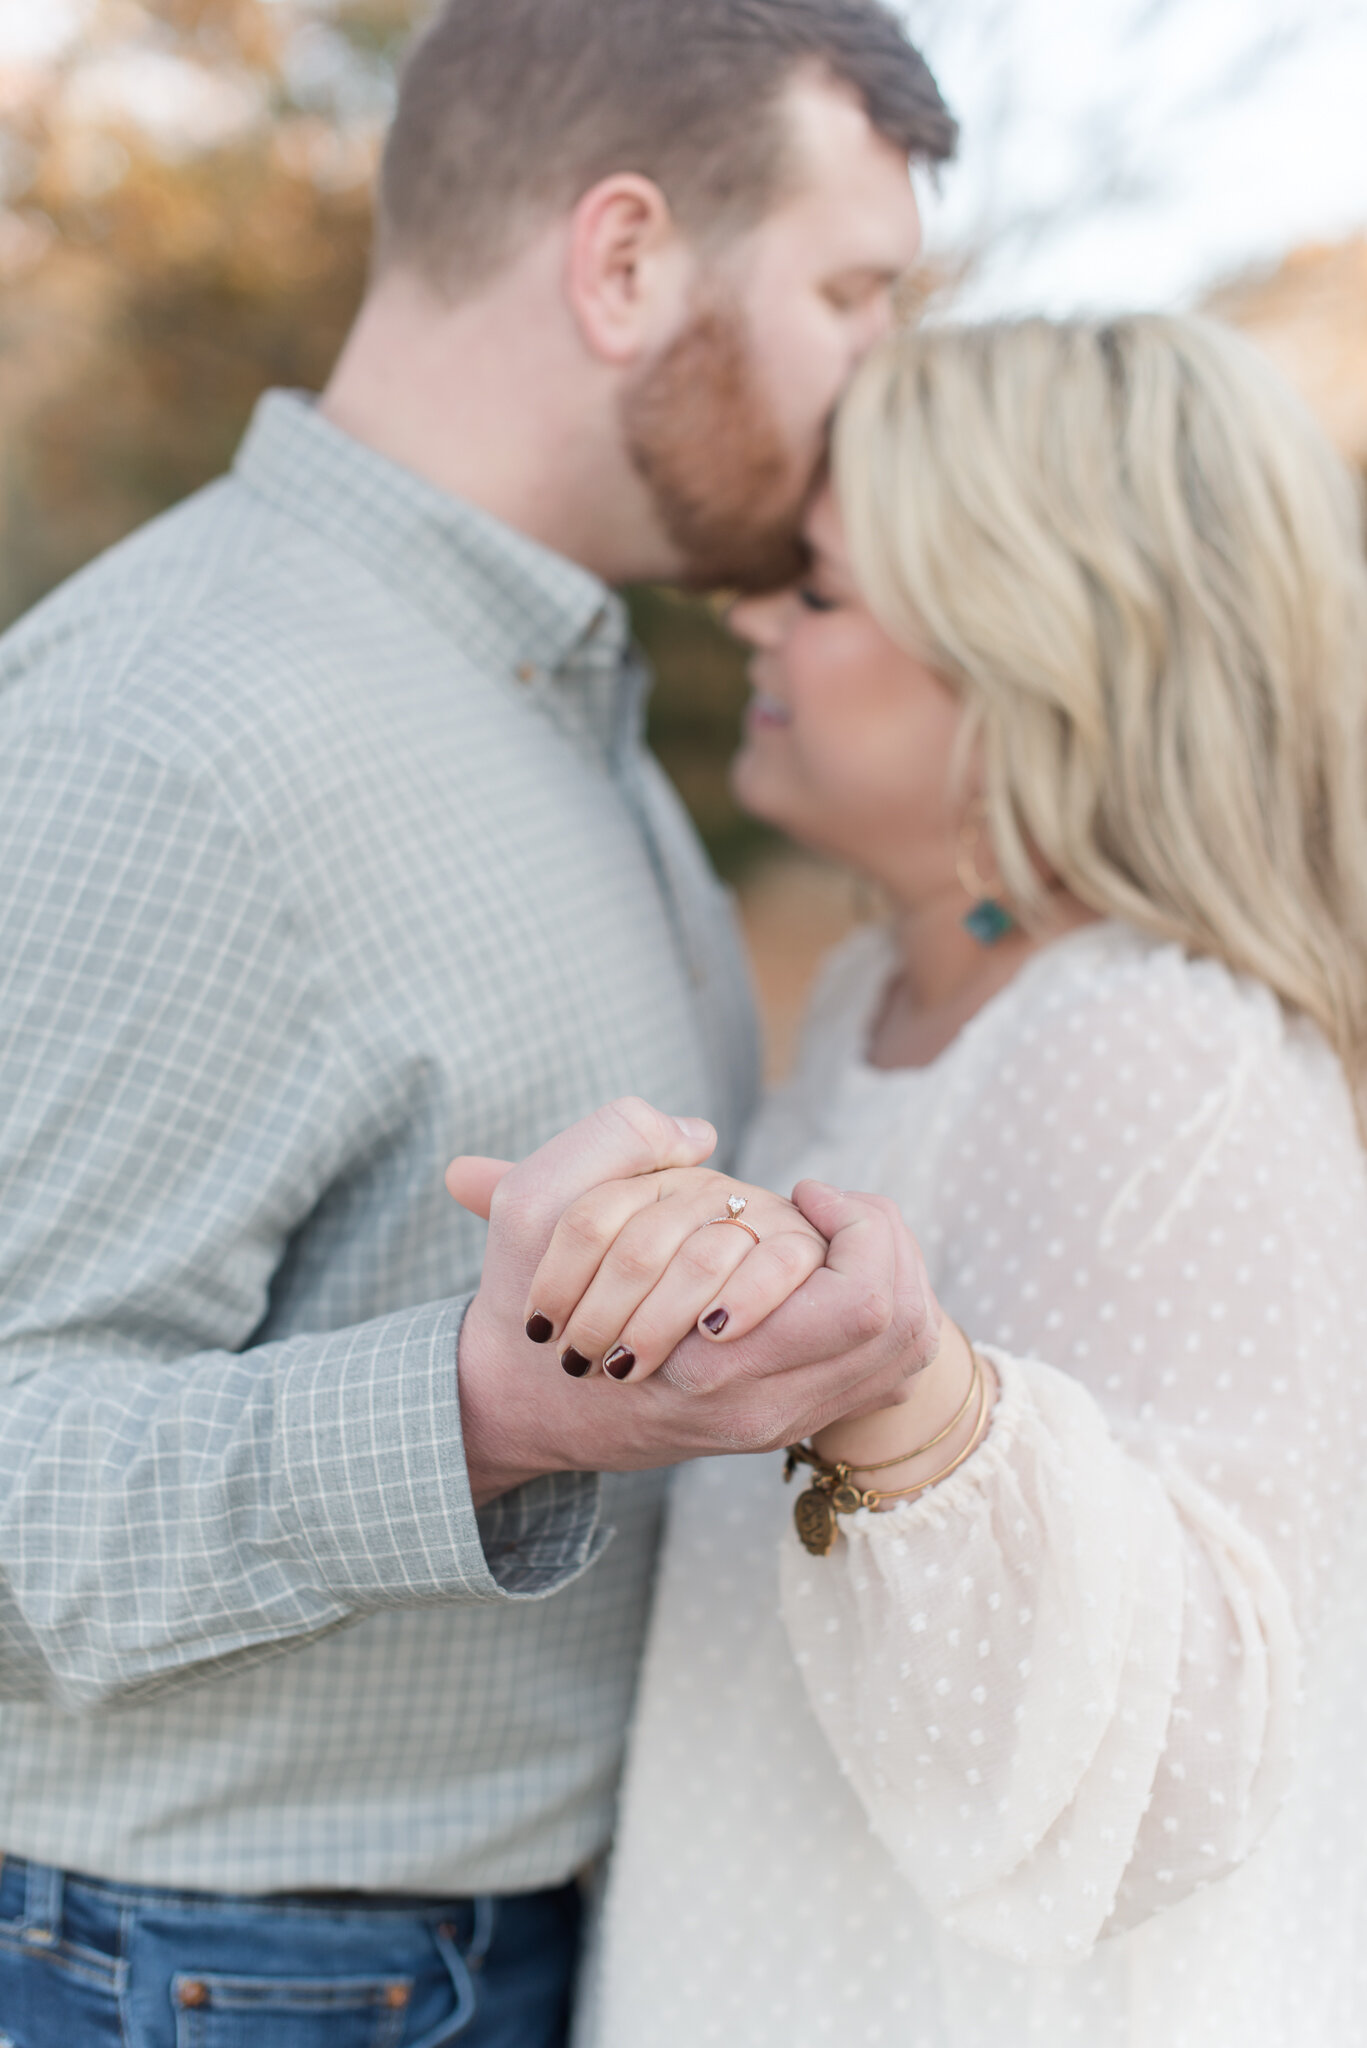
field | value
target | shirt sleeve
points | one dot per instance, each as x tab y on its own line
173	1104
1064	1683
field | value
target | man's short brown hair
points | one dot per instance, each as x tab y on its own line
510	110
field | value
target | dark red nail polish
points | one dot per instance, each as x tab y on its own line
540	1328
620	1362
575	1363
717	1321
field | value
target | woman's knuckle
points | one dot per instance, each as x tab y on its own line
648	1340
699	1258
635	1261
582	1334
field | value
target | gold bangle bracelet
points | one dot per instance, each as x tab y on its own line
803	1454
833	1493
874	1500
905	1457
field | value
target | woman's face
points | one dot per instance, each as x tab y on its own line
849	740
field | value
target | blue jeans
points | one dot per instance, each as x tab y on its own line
85	1964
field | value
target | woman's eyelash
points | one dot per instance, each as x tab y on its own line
814	601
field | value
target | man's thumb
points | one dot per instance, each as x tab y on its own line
472	1181
624	1139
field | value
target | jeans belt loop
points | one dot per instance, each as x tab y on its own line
482	1936
461	1983
41	1926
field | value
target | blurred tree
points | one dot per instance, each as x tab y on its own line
187	216
1309	312
197	231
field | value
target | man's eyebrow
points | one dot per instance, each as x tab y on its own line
873	266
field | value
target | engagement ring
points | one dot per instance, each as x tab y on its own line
736	1206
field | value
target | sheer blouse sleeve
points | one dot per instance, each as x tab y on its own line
1063	1684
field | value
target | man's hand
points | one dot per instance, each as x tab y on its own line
847	1342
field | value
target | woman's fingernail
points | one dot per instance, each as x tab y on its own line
620	1362
717	1321
575	1363
540	1328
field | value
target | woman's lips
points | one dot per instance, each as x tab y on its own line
763	711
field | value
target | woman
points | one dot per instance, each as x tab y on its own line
1061	1742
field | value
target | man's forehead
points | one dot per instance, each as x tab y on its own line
848	179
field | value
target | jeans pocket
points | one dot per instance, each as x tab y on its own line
214	2011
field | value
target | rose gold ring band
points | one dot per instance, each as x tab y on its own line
747	1227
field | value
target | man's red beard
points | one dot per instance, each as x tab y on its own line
702	433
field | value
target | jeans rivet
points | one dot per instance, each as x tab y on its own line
41	1937
194	1993
396	1996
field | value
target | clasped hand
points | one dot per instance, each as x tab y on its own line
601	1248
636	1264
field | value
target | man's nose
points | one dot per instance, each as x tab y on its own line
879	322
760	621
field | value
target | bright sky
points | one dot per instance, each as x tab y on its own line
1238	129
1234	128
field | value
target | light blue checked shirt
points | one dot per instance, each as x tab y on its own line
329	848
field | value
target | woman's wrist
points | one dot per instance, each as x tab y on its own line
942	1411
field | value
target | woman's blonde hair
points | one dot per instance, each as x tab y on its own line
1130	549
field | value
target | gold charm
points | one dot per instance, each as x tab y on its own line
816	1523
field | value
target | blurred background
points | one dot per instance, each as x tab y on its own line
185	210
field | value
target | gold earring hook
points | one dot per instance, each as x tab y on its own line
971	831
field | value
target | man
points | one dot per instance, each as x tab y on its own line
330	849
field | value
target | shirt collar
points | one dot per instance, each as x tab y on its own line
515	605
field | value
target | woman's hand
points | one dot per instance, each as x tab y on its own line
635	1265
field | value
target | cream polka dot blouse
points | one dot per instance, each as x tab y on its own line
1072	1749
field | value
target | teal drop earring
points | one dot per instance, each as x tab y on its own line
987	920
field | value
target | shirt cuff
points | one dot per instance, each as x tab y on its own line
543	1535
372	1483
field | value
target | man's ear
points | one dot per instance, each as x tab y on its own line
629	268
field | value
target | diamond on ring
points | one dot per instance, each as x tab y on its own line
736	1205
